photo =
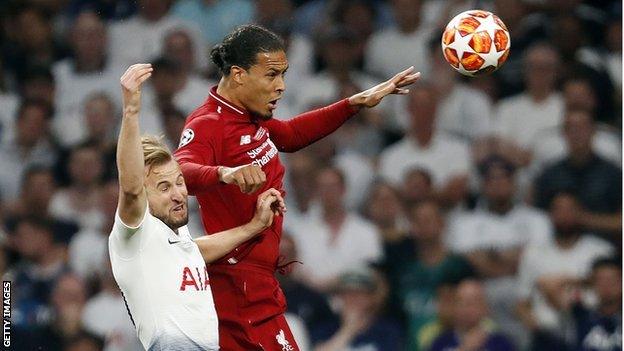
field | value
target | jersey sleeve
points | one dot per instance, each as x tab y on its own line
127	240
197	155
296	133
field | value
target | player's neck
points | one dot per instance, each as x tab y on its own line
228	92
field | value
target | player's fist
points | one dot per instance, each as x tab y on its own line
131	82
249	178
270	203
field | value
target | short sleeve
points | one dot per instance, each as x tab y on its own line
126	241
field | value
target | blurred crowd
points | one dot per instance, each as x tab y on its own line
471	214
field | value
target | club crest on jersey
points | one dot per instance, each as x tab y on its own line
187	137
245	139
260	133
283	342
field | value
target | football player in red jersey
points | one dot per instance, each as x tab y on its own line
229	151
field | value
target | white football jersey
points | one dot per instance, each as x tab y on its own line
165	283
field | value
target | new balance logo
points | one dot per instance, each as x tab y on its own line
245	139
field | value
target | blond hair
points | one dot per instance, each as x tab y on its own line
155	152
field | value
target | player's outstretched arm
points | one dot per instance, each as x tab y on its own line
212	247
305	129
130	163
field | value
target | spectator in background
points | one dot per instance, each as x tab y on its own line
444	318
214	19
88	71
385	209
36	191
30	41
180	50
105	314
392	49
360	295
493	236
67	300
472	328
550	272
417	266
84	342
88	249
309	305
338	239
41	263
613	57
579	94
82	197
338	55
38	83
300	186
148	27
520	118
30	146
463	111
597	181
443	156
599	327
9	102
417	186
173	122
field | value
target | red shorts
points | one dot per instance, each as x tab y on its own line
250	306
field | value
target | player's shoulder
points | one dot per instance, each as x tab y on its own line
204	120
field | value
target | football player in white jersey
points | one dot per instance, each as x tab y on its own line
160	269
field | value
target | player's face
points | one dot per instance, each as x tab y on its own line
167	194
263	83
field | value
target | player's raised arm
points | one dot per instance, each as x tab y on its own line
130	164
212	247
305	129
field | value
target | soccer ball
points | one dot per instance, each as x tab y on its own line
476	42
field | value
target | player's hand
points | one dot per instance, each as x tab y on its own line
395	85
269	204
249	178
131	82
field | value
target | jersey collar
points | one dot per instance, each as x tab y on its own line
224	103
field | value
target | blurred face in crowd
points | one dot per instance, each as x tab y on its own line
32	241
540	68
179	49
85	166
427	222
607	284
359	17
498	186
565	212
153	10
470	305
167	82
384	205
271	10
38	189
262	84
614	36
330	188
88	39
39	88
407	13
579	94
32	126
578	129
174	124
100	116
167	194
339	55
69	293
417	186
568	34
422	106
83	344
34	32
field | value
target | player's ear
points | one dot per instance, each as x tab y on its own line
237	74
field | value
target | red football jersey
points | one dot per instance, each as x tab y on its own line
219	133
